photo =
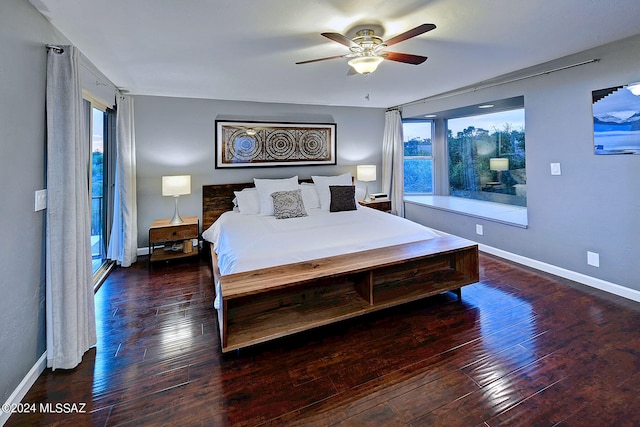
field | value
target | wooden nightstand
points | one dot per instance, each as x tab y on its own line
379	204
162	234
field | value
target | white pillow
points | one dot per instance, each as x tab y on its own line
310	195
248	202
322	186
267	186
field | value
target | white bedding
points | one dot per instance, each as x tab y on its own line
249	242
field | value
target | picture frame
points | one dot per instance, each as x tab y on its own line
616	119
241	144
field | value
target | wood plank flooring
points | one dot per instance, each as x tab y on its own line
522	348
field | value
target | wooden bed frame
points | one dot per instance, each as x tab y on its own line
265	304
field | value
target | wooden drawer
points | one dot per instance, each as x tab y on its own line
175	232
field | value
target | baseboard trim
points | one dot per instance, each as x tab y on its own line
24	386
562	272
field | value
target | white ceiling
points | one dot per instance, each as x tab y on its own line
247	49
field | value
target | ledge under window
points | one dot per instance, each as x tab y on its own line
491	211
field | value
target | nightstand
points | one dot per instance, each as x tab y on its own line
379	204
163	235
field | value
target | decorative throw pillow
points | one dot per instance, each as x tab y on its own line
288	204
322	186
343	198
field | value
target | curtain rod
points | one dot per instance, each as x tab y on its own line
55	48
476	88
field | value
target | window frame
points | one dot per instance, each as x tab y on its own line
432	157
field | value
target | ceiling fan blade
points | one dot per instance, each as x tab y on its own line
320	59
339	38
352	71
409	34
407	58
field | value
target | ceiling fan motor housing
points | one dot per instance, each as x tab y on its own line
367	41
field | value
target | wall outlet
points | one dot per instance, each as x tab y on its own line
41	200
555	169
479	229
593	259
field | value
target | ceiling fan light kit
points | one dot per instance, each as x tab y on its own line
367	50
365	64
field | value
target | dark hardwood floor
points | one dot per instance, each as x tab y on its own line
521	348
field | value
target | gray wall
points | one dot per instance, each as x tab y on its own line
176	136
595	204
23	33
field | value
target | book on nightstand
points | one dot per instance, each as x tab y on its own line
378	195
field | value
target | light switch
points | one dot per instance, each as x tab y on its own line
41	200
555	169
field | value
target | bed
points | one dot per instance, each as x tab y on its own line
276	276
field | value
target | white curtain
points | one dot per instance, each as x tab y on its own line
71	327
123	244
393	161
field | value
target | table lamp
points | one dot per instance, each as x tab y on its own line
366	173
176	186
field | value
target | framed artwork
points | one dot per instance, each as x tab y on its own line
261	144
616	120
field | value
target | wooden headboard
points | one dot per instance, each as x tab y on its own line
218	199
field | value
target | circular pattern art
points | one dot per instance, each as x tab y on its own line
313	145
244	148
280	145
243	145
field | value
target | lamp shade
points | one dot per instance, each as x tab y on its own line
365	64
176	185
499	164
366	173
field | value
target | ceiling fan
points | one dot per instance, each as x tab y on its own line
367	50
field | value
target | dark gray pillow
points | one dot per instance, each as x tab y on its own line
288	204
343	198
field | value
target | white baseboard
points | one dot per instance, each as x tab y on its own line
562	272
24	386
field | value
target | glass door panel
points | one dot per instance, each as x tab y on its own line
98	214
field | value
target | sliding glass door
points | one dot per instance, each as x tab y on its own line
98	190
99	126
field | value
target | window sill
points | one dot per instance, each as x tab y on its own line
491	211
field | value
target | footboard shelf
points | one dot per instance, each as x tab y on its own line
262	305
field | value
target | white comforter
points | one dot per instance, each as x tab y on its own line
250	242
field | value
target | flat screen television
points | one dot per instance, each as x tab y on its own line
616	120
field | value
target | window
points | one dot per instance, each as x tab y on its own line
99	120
487	157
418	157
